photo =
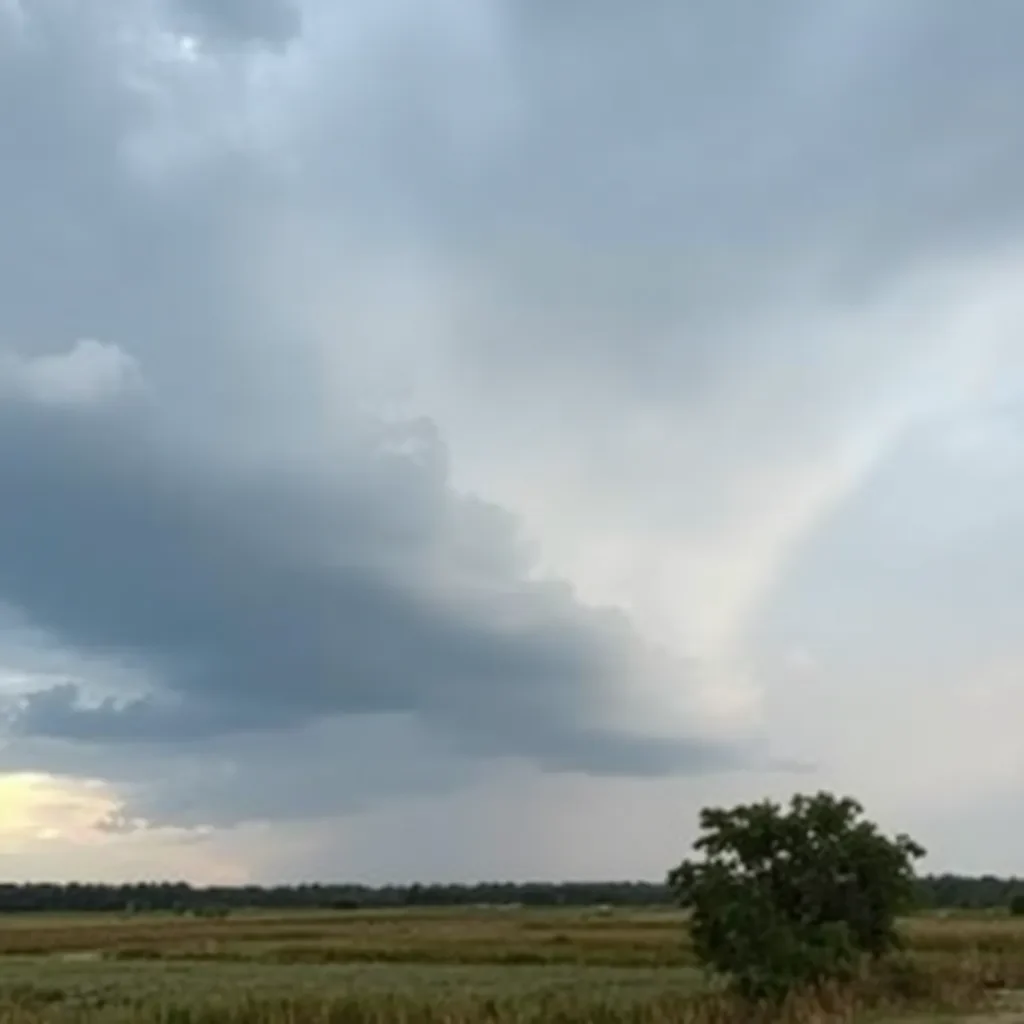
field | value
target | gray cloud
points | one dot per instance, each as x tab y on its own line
930	534
804	131
275	22
262	564
267	601
527	227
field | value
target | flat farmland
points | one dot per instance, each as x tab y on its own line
505	966
486	936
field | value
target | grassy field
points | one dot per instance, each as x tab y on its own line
456	967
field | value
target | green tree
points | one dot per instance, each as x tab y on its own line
1017	904
781	899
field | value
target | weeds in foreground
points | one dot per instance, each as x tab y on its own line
904	985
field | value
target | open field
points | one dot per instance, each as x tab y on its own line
335	992
490	936
458	966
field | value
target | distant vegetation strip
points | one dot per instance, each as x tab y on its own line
948	892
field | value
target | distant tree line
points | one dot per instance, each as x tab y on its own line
182	897
957	892
933	892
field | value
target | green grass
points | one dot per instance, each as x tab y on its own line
189	993
438	967
195	981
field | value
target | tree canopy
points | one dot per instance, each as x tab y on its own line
782	898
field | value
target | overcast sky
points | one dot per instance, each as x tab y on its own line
446	440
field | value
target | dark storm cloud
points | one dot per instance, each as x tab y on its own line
600	182
257	572
268	601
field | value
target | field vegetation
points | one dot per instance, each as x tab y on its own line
788	915
455	966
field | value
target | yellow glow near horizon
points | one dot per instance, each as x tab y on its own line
37	806
48	830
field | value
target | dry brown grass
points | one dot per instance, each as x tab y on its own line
428	936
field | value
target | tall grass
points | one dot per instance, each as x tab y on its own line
830	1006
447	968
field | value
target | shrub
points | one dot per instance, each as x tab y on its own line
1017	905
783	899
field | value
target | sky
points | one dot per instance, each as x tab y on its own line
448	441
